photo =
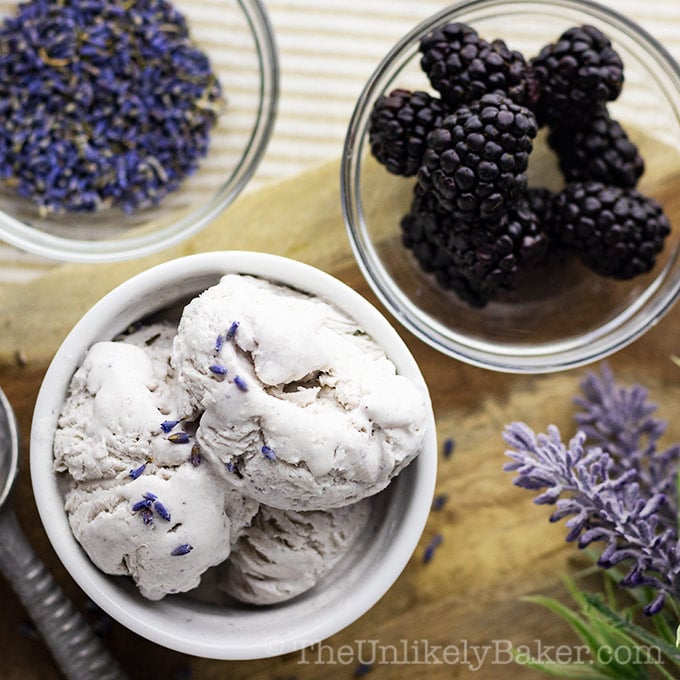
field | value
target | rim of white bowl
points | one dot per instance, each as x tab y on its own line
58	248
154	621
555	356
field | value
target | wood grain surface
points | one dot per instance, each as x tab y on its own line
497	545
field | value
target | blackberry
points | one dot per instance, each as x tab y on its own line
600	151
425	231
476	159
398	127
617	232
476	261
573	76
492	255
462	66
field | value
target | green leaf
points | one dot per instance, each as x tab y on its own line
664	629
596	634
578	625
633	631
601	627
633	635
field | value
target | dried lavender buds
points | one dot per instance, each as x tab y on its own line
138	471
102	103
179	438
183	549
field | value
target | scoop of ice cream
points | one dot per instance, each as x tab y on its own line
163	529
252	327
284	553
301	407
118	399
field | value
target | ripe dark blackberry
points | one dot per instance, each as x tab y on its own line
476	159
492	255
600	151
573	76
617	232
399	124
425	231
476	261
462	66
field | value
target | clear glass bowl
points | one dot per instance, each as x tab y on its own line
560	317
238	38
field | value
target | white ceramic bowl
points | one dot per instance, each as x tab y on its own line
567	316
238	38
181	622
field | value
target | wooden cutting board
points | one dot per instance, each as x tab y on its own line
497	546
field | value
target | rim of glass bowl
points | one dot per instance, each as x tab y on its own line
32	240
555	356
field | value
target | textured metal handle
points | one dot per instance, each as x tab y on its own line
74	645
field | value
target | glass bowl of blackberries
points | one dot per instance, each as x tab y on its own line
508	182
127	127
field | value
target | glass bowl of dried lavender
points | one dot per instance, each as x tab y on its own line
180	512
127	127
507	182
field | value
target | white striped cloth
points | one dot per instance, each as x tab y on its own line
327	51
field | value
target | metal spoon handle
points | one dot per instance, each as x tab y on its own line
75	647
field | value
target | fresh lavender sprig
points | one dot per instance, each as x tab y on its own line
620	420
610	482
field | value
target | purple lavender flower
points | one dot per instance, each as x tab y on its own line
619	420
232	330
144	504
161	510
195	456
439	501
268	452
430	548
136	472
179	438
610	482
168	425
183	549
